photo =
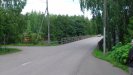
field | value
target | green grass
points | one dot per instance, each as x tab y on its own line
4	51
31	44
106	57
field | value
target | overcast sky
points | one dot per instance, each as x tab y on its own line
62	7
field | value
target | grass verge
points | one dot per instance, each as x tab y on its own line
31	44
98	54
4	51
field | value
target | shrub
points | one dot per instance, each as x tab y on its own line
116	46
120	54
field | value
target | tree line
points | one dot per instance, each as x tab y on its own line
32	27
61	26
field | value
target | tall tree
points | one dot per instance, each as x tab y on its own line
12	22
17	5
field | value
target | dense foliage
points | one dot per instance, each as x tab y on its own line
109	58
11	26
130	30
32	27
120	53
14	5
118	14
11	21
60	26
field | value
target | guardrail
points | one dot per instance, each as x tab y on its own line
72	39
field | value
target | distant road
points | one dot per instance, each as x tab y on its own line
69	59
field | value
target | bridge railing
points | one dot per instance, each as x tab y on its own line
72	39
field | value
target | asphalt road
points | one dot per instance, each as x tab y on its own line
69	59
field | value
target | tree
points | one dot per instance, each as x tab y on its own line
129	36
11	20
16	5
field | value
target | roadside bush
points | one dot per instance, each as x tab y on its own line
120	53
36	38
117	46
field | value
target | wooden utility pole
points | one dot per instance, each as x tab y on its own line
105	22
48	21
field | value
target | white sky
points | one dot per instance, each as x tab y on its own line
61	7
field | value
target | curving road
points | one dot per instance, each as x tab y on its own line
69	59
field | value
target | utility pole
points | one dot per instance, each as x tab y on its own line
48	21
105	22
